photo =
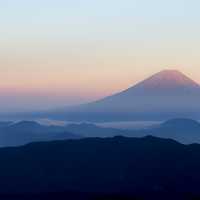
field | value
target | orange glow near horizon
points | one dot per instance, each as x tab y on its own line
91	71
78	51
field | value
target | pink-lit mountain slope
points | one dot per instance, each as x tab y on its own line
167	79
165	95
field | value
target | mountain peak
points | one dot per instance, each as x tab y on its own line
168	79
27	124
181	122
172	74
167	94
170	71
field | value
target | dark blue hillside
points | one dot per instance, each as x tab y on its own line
112	166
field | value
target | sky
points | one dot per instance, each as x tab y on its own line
63	52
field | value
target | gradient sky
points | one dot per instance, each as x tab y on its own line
61	52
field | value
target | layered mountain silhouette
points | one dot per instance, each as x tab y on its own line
146	168
186	131
15	134
167	94
92	130
182	130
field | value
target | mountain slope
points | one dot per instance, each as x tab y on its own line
186	131
91	130
183	130
168	79
113	165
167	94
24	132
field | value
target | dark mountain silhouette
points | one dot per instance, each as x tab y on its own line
145	167
167	94
14	134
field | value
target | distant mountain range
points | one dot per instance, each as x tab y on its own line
186	131
146	168
92	130
182	130
15	134
167	94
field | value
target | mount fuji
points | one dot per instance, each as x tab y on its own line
167	94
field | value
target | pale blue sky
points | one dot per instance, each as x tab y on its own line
40	16
92	48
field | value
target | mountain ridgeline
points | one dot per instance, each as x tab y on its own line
20	133
167	94
183	130
86	161
186	131
146	167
